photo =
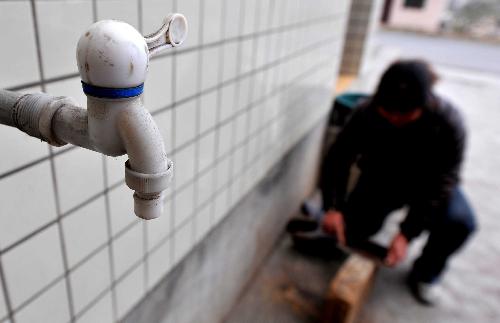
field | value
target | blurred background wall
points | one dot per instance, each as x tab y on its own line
422	15
247	85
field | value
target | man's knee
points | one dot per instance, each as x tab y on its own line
460	217
461	225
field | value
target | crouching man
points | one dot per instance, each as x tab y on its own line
409	146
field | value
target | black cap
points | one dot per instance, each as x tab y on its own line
405	86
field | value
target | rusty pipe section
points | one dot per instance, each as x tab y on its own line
7	101
37	114
109	126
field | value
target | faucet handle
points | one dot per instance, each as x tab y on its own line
171	34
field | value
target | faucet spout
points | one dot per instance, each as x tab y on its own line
148	170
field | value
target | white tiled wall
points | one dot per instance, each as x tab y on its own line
229	104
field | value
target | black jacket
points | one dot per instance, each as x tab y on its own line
423	158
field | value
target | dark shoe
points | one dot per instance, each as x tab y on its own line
316	243
301	224
424	293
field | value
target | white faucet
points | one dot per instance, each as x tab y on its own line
113	59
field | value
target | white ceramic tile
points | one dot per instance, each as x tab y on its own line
183	205
279	9
221	206
183	241
244	93
51	307
212	21
85	231
241	128
3	309
247	55
263	48
154	13
249	8
259	86
128	249
238	157
229	68
185	122
129	291
115	169
227	102
266	8
33	265
186	74
158	264
208	111
206	151
90	279
71	88
191	9
159	228
101	312
121	204
123	10
20	65
222	173
79	176
254	120
210	67
205	187
184	161
252	149
233	18
59	44
275	47
225	137
21	215
158	86
202	222
164	122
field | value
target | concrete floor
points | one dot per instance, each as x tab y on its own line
470	291
289	287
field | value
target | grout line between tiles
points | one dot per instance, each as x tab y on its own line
218	108
236	97
251	90
109	242
198	121
5	291
173	125
145	258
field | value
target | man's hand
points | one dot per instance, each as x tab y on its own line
333	223
397	250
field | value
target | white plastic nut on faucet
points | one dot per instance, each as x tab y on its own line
113	59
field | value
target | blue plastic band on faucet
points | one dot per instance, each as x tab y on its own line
111	93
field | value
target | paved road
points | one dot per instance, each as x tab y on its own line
459	53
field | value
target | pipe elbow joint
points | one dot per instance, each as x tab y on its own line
148	171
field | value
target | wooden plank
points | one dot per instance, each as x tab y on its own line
348	289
